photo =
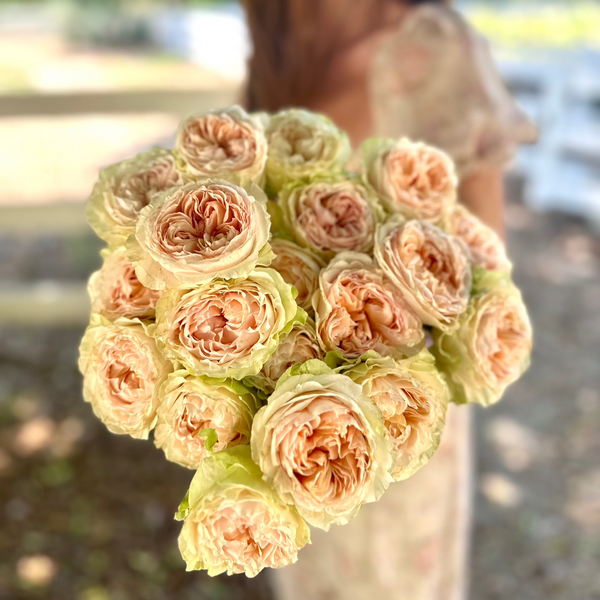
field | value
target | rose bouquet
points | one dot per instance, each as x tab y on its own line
291	331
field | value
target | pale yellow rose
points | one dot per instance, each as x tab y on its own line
226	328
298	346
413	397
228	144
486	248
122	372
200	231
322	444
491	347
125	188
191	405
412	179
331	214
359	310
299	267
234	522
303	144
115	290
430	268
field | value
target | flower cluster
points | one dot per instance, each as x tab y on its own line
264	314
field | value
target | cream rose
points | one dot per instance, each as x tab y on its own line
191	405
331	214
359	310
486	248
115	290
412	179
303	144
323	445
491	347
201	231
226	328
229	144
124	189
429	267
412	396
234	522
299	267
122	371
298	346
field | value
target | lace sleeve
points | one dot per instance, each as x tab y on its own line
435	81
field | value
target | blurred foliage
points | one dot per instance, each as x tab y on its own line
525	23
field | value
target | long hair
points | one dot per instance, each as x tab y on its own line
294	42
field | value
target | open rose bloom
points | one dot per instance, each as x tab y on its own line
263	314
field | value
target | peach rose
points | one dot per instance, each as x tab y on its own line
226	328
299	267
234	522
303	144
201	231
116	291
412	179
331	214
412	396
298	346
486	248
228	144
322	443
191	405
122	372
124	189
429	267
359	310
491	347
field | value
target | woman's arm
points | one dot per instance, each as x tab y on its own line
483	194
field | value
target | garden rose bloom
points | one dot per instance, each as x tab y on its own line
298	267
124	189
122	372
116	291
359	310
226	328
331	214
235	522
298	346
229	144
200	231
323	445
486	248
412	396
303	144
430	268
492	345
189	405
412	179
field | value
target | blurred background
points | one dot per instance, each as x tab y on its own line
88	515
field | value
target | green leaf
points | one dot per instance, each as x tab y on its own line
184	508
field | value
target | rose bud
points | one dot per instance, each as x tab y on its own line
191	405
122	372
331	214
491	347
303	144
322	444
116	291
125	188
430	268
228	144
226	328
234	522
359	310
200	231
412	396
412	179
